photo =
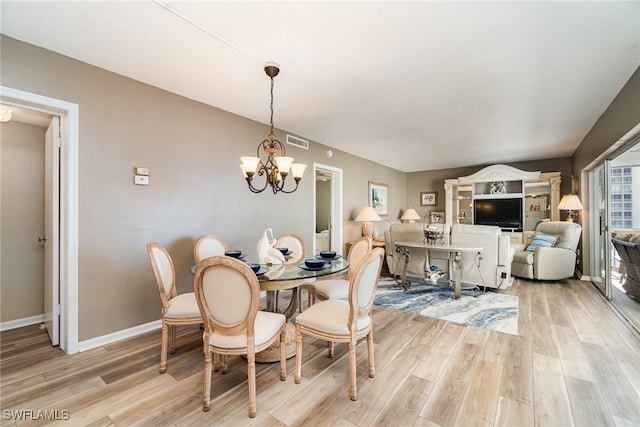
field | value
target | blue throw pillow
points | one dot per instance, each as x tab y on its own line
541	241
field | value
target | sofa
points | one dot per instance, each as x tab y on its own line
551	253
413	232
492	268
496	255
628	247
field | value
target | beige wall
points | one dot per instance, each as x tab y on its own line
22	221
617	120
419	182
196	187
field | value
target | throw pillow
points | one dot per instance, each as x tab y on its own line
541	241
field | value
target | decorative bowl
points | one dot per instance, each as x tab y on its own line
328	254
314	263
254	267
283	250
234	254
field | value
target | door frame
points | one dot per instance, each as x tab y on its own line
68	244
336	232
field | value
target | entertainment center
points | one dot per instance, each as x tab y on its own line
501	195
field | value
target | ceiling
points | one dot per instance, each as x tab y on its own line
410	85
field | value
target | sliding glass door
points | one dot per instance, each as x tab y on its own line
600	249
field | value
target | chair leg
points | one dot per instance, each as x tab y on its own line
297	373
251	376
353	391
216	362
283	353
206	403
224	359
331	347
164	342
276	302
372	364
172	339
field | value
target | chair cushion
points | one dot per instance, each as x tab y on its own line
541	241
523	257
332	288
266	327
330	316
183	305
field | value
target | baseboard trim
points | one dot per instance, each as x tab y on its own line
19	323
119	335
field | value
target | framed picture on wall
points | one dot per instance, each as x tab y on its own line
429	198
436	217
378	198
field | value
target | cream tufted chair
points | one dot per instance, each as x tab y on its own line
207	246
345	321
339	288
554	262
228	295
296	245
176	309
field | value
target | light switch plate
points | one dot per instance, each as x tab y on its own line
141	180
142	171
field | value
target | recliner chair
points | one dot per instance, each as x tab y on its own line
493	270
554	262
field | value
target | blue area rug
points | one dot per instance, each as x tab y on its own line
489	310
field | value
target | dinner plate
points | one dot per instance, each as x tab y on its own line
261	271
304	267
241	256
338	256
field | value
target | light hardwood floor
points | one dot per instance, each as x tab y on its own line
574	362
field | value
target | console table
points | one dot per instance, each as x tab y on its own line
455	260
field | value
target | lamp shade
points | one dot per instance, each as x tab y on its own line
570	202
410	215
367	214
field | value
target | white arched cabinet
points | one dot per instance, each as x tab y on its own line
539	191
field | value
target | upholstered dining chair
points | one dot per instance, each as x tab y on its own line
207	246
228	295
177	309
338	288
296	245
347	321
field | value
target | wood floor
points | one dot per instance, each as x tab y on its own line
574	363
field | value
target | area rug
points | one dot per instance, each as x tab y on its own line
489	310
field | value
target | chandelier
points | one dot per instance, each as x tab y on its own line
277	166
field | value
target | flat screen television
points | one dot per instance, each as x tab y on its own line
505	213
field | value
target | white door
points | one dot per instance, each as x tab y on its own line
51	231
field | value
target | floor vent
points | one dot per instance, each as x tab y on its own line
298	142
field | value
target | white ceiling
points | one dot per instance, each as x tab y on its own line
411	85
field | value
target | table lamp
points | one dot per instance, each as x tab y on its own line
570	202
366	216
410	215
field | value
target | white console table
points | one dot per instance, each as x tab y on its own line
455	260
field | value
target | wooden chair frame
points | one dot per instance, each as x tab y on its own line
357	309
169	323
246	326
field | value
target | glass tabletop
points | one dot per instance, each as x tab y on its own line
283	272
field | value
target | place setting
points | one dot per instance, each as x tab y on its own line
328	255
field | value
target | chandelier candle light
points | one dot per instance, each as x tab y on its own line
274	169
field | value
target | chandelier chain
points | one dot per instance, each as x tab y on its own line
271	107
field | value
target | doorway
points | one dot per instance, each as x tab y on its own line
615	203
327	222
67	241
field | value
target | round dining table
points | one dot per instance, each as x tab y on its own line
280	277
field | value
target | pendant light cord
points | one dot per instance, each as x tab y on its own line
212	34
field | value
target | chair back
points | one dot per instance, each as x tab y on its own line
163	270
568	233
228	295
358	251
208	246
295	245
363	285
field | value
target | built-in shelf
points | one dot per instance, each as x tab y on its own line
505	182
